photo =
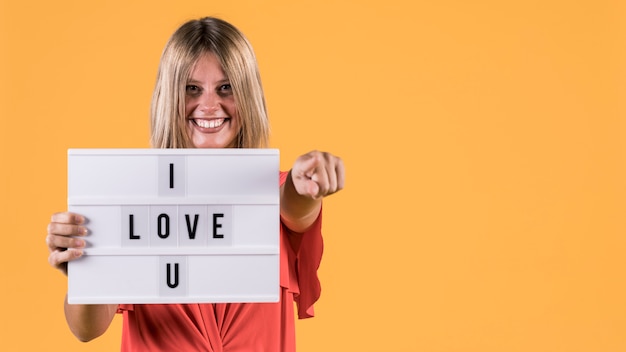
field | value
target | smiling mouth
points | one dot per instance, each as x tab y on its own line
210	123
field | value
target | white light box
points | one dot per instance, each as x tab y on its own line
175	225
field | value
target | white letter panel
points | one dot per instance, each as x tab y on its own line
175	225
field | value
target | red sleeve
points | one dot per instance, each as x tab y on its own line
301	255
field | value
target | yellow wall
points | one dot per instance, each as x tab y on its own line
484	143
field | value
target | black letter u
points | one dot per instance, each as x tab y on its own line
169	276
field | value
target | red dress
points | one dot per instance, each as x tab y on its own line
235	327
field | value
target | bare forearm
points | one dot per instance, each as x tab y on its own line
88	321
298	212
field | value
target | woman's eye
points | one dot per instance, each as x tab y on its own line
191	89
225	87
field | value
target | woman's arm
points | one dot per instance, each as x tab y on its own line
88	321
65	244
313	176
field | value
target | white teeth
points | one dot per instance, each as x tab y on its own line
213	123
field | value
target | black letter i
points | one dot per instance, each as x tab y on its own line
171	175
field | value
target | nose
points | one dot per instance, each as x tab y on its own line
210	102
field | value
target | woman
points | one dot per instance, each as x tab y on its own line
208	94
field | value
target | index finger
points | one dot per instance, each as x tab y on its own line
308	164
68	218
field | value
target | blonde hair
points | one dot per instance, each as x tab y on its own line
192	40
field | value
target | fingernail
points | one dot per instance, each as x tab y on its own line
79	243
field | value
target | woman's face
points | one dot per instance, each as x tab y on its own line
212	119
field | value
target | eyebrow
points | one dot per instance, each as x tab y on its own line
194	81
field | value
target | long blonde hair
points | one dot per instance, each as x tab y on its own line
234	52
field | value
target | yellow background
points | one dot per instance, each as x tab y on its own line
484	143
